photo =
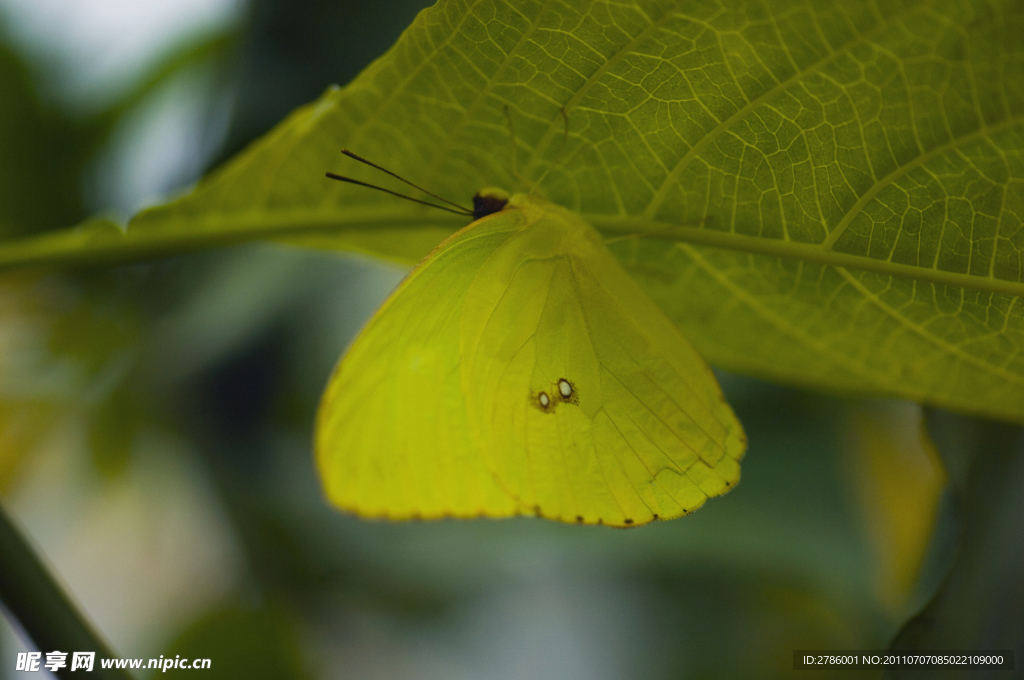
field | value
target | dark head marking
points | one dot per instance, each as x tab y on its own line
536	510
628	521
487	204
579	519
655	515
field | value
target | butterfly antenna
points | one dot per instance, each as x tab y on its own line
561	149
400	179
461	211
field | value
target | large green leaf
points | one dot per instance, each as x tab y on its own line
859	165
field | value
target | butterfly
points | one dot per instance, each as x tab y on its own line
518	369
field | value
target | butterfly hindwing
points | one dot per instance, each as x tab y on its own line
646	434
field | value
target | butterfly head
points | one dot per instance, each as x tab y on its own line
489	201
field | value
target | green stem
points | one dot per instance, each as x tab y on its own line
31	596
102	242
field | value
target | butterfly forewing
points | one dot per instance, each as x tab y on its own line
392	436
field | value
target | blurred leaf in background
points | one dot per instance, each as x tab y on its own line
29	403
980	602
253	643
53	148
899	482
67	353
44	154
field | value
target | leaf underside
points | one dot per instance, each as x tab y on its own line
848	175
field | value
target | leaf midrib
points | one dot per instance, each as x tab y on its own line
105	243
73	245
805	252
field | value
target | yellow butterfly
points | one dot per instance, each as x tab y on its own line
519	369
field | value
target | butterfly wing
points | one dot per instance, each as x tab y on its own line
437	409
644	433
392	436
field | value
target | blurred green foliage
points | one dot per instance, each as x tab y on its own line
252	643
44	152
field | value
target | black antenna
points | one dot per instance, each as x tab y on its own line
348	153
462	211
